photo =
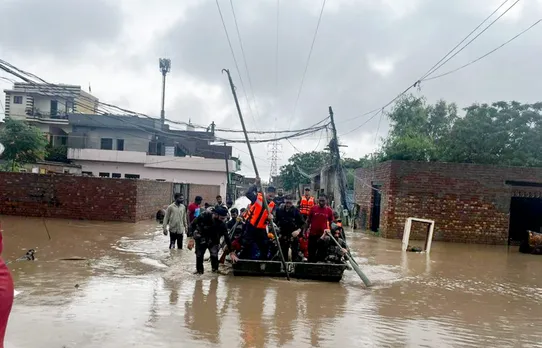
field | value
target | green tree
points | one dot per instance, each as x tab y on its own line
292	174
503	133
24	143
418	130
57	153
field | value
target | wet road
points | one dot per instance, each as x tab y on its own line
133	292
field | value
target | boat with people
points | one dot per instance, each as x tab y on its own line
331	272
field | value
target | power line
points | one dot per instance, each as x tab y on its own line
485	55
308	61
306	131
108	107
234	59
364	123
430	71
474	38
244	57
440	63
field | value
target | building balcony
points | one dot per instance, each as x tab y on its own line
150	161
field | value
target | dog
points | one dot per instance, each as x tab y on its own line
29	256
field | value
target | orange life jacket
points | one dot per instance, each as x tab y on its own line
306	205
257	216
246	213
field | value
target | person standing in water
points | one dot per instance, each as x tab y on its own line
205	233
177	221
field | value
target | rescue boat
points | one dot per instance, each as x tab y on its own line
330	272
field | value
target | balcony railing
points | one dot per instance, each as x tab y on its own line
37	113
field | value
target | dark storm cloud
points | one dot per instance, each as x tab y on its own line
57	27
339	73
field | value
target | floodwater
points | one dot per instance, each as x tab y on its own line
133	292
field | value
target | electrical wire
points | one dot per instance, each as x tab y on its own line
110	108
364	123
300	133
474	38
308	61
440	63
483	56
430	71
235	59
244	57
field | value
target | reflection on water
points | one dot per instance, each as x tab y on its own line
131	291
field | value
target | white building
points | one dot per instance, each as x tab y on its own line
136	148
47	106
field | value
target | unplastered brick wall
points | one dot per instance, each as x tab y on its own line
364	193
76	197
469	203
207	192
152	196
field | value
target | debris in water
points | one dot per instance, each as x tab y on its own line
77	286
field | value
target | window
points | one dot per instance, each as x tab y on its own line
131	176
104	175
106	144
120	144
86	173
17	99
116	175
54	107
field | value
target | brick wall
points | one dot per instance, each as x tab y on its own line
469	203
76	197
363	193
152	196
207	192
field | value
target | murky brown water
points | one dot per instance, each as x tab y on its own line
133	292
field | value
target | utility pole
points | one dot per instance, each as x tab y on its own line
227	172
165	67
334	147
264	199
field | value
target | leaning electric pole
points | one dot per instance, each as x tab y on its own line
334	148
165	67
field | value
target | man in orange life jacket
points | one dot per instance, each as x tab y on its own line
256	241
306	203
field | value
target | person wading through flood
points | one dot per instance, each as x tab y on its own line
239	229
256	242
290	222
206	230
193	209
177	221
319	220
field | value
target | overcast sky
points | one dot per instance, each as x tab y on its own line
366	52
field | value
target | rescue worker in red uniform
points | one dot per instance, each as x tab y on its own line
256	243
306	203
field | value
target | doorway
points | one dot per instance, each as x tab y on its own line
375	207
525	214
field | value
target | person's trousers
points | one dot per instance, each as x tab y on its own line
201	248
256	243
313	248
175	238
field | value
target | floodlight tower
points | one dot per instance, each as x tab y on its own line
165	67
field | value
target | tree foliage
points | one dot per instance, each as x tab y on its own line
24	143
502	133
292	174
57	153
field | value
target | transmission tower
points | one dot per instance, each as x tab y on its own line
274	149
